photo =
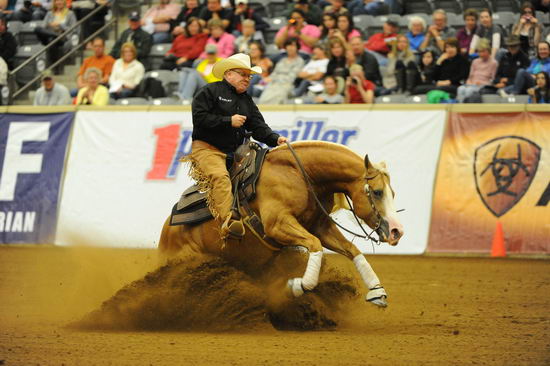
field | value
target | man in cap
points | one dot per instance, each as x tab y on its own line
513	60
222	111
140	38
51	93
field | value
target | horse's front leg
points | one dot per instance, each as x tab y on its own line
333	239
286	230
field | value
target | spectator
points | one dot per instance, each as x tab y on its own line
8	44
451	69
281	80
51	93
223	40
140	38
370	7
93	93
157	20
509	64
542	5
490	31
528	29
482	72
367	61
313	72
525	79
191	80
82	8
425	79
3	78
330	93
327	28
466	34
438	32
191	9
248	35
416	33
541	92
244	12
57	21
313	13
25	11
346	28
214	10
99	60
187	47
358	89
402	68
341	57
336	7
306	34
379	43
257	58
127	73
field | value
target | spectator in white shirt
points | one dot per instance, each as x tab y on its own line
313	72
127	73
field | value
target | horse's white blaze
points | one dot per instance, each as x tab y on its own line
365	270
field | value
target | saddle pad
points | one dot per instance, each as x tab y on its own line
191	209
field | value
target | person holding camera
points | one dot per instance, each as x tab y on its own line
528	29
358	89
297	27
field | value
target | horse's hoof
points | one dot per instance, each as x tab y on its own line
294	286
378	296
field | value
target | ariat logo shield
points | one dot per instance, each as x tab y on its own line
504	169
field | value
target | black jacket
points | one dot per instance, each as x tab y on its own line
509	65
212	109
141	39
455	69
8	48
370	67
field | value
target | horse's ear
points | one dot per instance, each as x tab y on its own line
368	164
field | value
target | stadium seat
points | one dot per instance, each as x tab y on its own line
543	18
516	99
169	79
455	20
277	8
417	99
274	25
132	101
377	23
362	22
505	19
417	6
4	94
14	27
476	4
26	33
166	101
491	98
271	50
34	68
506	5
260	7
391	99
157	55
450	6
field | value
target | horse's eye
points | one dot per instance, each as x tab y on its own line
378	193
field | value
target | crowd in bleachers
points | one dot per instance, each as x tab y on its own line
324	51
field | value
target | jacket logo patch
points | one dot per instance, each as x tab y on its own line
225	100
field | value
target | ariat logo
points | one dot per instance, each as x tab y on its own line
225	100
504	169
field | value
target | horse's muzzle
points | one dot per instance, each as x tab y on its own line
390	232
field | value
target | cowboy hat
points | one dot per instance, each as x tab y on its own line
237	61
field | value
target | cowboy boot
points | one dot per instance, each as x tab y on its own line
233	225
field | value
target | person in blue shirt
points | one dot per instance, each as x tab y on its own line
525	78
416	33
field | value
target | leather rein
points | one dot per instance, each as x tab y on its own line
368	192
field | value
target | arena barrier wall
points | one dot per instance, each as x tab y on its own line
493	167
122	174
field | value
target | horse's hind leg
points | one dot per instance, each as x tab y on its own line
333	239
286	230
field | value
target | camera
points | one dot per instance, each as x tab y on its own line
291	21
354	81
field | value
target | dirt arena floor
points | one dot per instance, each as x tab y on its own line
65	306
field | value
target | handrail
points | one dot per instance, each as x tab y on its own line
63	58
61	36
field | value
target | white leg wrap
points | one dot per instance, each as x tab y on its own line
311	276
295	286
365	270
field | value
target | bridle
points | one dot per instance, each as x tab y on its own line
367	191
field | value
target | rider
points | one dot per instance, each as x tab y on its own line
221	113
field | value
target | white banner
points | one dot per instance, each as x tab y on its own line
119	188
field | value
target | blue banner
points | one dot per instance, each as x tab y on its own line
32	156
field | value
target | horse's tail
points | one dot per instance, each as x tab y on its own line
340	202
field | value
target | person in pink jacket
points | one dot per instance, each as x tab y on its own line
223	40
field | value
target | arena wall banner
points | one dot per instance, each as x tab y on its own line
32	155
123	175
493	167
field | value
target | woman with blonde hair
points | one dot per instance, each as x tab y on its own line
93	93
127	72
402	69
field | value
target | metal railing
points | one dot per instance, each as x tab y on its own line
15	92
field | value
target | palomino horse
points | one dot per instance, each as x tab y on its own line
292	217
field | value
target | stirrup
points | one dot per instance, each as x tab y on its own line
233	228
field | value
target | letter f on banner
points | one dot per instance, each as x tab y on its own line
15	162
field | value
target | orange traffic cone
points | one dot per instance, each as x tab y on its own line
498	249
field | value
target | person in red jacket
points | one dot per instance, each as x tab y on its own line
379	44
186	47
